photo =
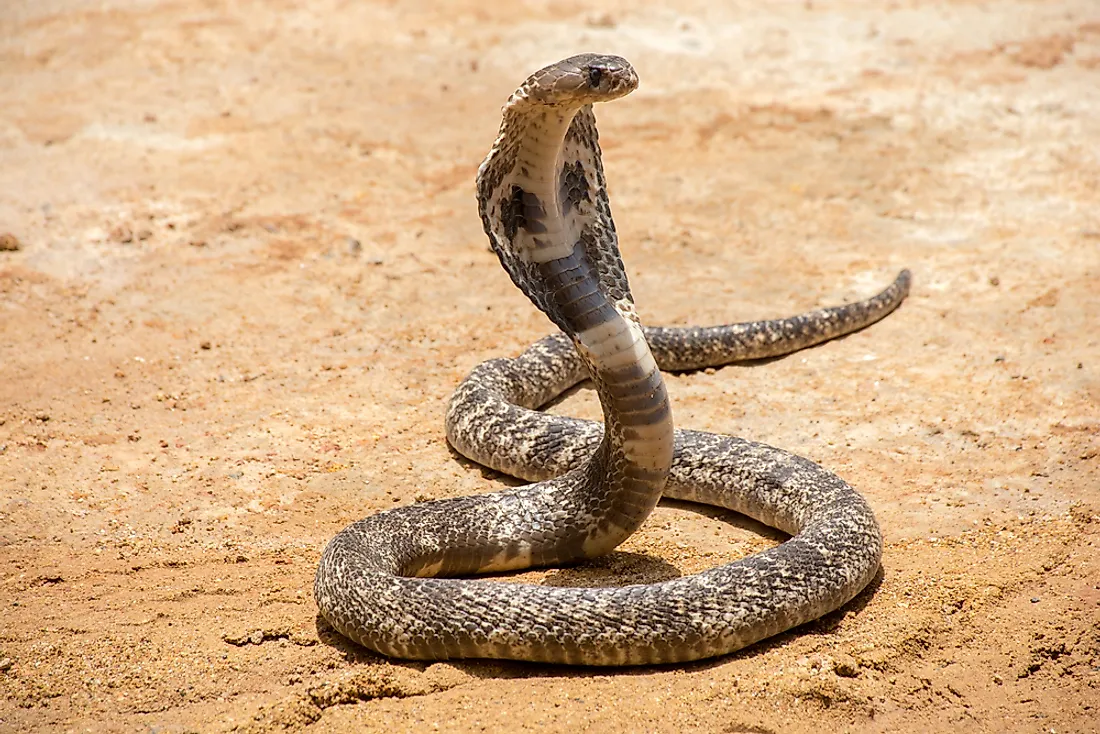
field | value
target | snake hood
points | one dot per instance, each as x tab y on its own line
541	189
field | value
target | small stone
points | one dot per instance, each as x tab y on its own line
256	637
846	666
994	281
6	664
1034	600
204	345
122	234
354	246
233	639
9	243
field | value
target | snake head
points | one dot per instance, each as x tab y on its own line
581	80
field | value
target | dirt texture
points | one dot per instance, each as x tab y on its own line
241	271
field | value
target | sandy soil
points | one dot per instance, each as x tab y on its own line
245	270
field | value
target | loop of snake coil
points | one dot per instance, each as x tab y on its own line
383	581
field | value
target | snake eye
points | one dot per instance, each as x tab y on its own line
595	74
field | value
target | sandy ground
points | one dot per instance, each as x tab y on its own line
245	271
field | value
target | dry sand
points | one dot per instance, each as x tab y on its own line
245	271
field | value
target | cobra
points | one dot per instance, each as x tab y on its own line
389	581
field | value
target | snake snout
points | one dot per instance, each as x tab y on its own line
610	76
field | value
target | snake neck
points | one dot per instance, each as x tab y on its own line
543	202
627	474
635	456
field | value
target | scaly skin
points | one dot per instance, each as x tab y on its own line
544	206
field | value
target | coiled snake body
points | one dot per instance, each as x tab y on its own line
383	581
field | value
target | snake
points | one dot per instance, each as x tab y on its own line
397	581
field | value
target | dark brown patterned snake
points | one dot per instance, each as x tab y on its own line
384	581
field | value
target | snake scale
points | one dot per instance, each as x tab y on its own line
387	581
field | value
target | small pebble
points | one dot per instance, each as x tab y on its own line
122	234
9	243
846	666
5	665
354	246
1034	600
604	20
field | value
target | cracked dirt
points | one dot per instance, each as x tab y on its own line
241	270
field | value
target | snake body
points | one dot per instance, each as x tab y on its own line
387	581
